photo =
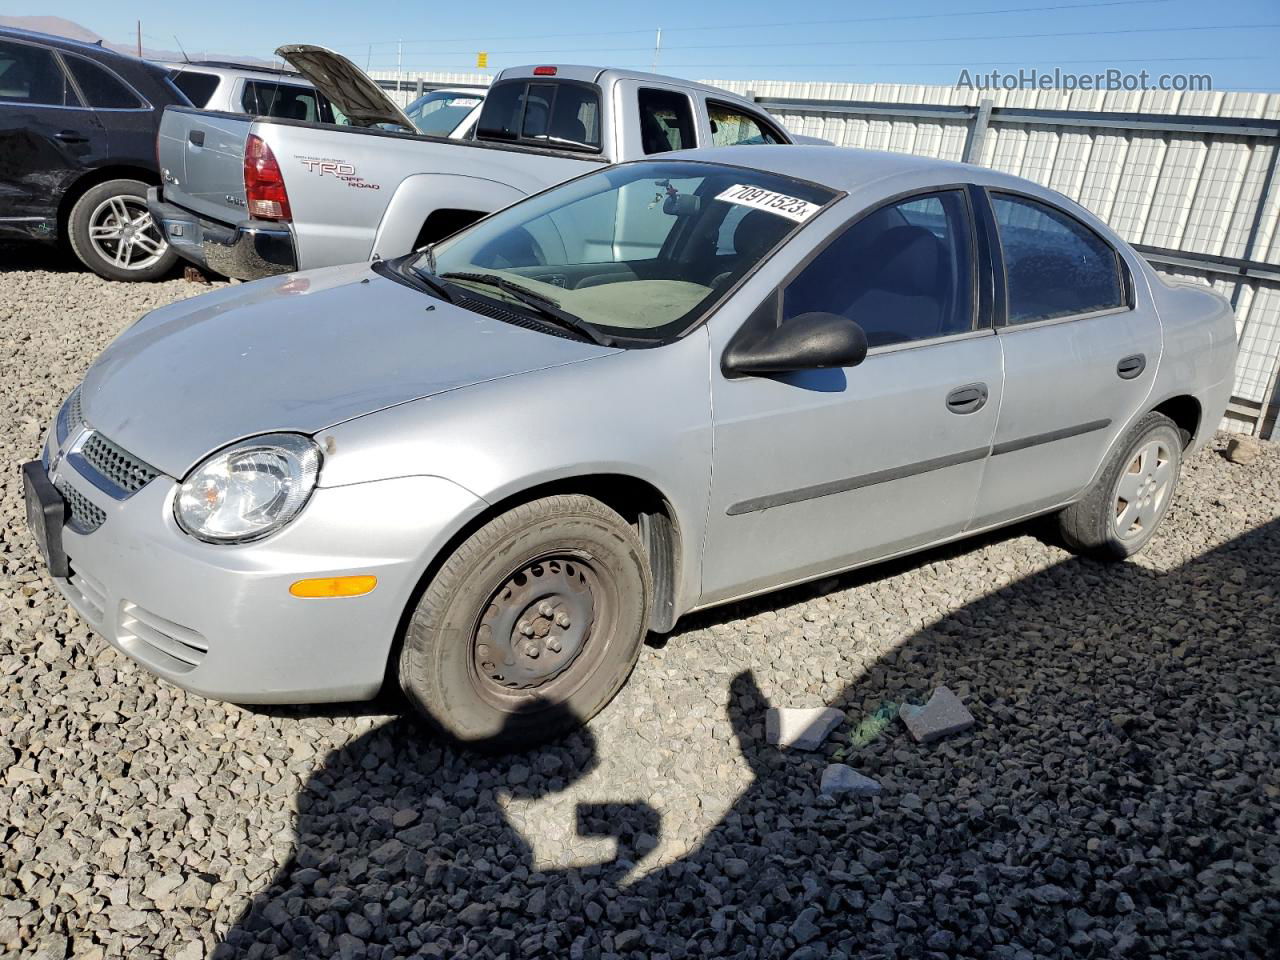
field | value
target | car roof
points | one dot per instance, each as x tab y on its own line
841	168
66	43
223	69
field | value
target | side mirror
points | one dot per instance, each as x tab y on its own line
811	341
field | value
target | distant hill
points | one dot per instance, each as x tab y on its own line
61	27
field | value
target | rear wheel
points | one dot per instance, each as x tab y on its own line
113	234
1123	508
530	627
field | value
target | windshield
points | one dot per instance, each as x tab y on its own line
438	114
640	251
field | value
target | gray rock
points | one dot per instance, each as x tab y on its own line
1243	450
839	778
801	728
942	716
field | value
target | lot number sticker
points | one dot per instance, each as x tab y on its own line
793	208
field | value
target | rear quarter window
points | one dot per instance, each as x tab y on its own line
196	87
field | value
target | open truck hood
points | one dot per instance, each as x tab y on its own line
348	87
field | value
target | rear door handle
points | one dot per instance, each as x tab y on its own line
970	398
70	136
196	137
1130	368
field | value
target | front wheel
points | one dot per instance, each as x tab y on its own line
530	627
1120	512
114	235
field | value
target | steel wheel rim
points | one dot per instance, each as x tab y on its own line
558	599
122	232
1142	492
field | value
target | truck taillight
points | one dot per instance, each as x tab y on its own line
263	182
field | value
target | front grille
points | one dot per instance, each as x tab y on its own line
160	642
492	310
116	464
86	516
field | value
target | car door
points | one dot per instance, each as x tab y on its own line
47	138
129	119
1080	346
822	470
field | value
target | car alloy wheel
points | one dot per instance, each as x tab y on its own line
122	232
1143	490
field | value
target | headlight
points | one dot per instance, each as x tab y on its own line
69	417
250	489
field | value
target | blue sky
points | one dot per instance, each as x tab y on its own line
928	41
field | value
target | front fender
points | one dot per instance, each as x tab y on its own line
420	195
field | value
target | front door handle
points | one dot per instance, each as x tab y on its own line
970	398
196	137
71	136
1130	368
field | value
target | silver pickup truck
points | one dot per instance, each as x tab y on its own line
250	197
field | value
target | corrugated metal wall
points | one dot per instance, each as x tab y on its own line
1192	192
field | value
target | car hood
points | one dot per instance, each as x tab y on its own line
296	353
348	87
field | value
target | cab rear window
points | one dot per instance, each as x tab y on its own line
561	114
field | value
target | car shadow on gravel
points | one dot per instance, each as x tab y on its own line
1117	797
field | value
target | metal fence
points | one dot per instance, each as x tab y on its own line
1189	179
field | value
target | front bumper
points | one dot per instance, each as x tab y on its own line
219	620
250	250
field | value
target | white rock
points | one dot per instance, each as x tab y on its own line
802	728
943	715
840	778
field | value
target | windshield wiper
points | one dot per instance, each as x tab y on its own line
429	279
544	305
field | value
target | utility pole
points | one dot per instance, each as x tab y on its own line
139	39
399	63
657	49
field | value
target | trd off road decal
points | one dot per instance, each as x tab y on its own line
346	172
793	208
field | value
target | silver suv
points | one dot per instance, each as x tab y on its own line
260	91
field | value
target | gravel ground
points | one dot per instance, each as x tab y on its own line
1118	796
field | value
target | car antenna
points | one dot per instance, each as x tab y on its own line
185	58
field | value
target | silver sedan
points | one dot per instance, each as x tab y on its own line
487	469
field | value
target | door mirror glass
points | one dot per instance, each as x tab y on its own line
812	341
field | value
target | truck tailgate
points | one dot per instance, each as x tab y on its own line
202	161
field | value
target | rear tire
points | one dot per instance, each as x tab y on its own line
113	235
530	627
1121	511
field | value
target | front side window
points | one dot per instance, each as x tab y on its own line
267	99
731	127
196	87
640	250
666	121
101	87
904	272
438	114
30	74
558	114
1054	265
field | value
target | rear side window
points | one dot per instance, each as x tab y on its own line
263	98
102	88
731	127
30	74
1054	265
666	121
559	114
904	272
196	87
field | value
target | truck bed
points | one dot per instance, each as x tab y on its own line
340	179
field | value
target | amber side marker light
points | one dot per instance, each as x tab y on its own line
334	586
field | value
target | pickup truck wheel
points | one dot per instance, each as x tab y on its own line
113	234
530	627
1122	510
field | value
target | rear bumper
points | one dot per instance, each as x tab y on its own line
250	250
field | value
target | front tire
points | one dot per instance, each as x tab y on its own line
1121	511
530	627
113	234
